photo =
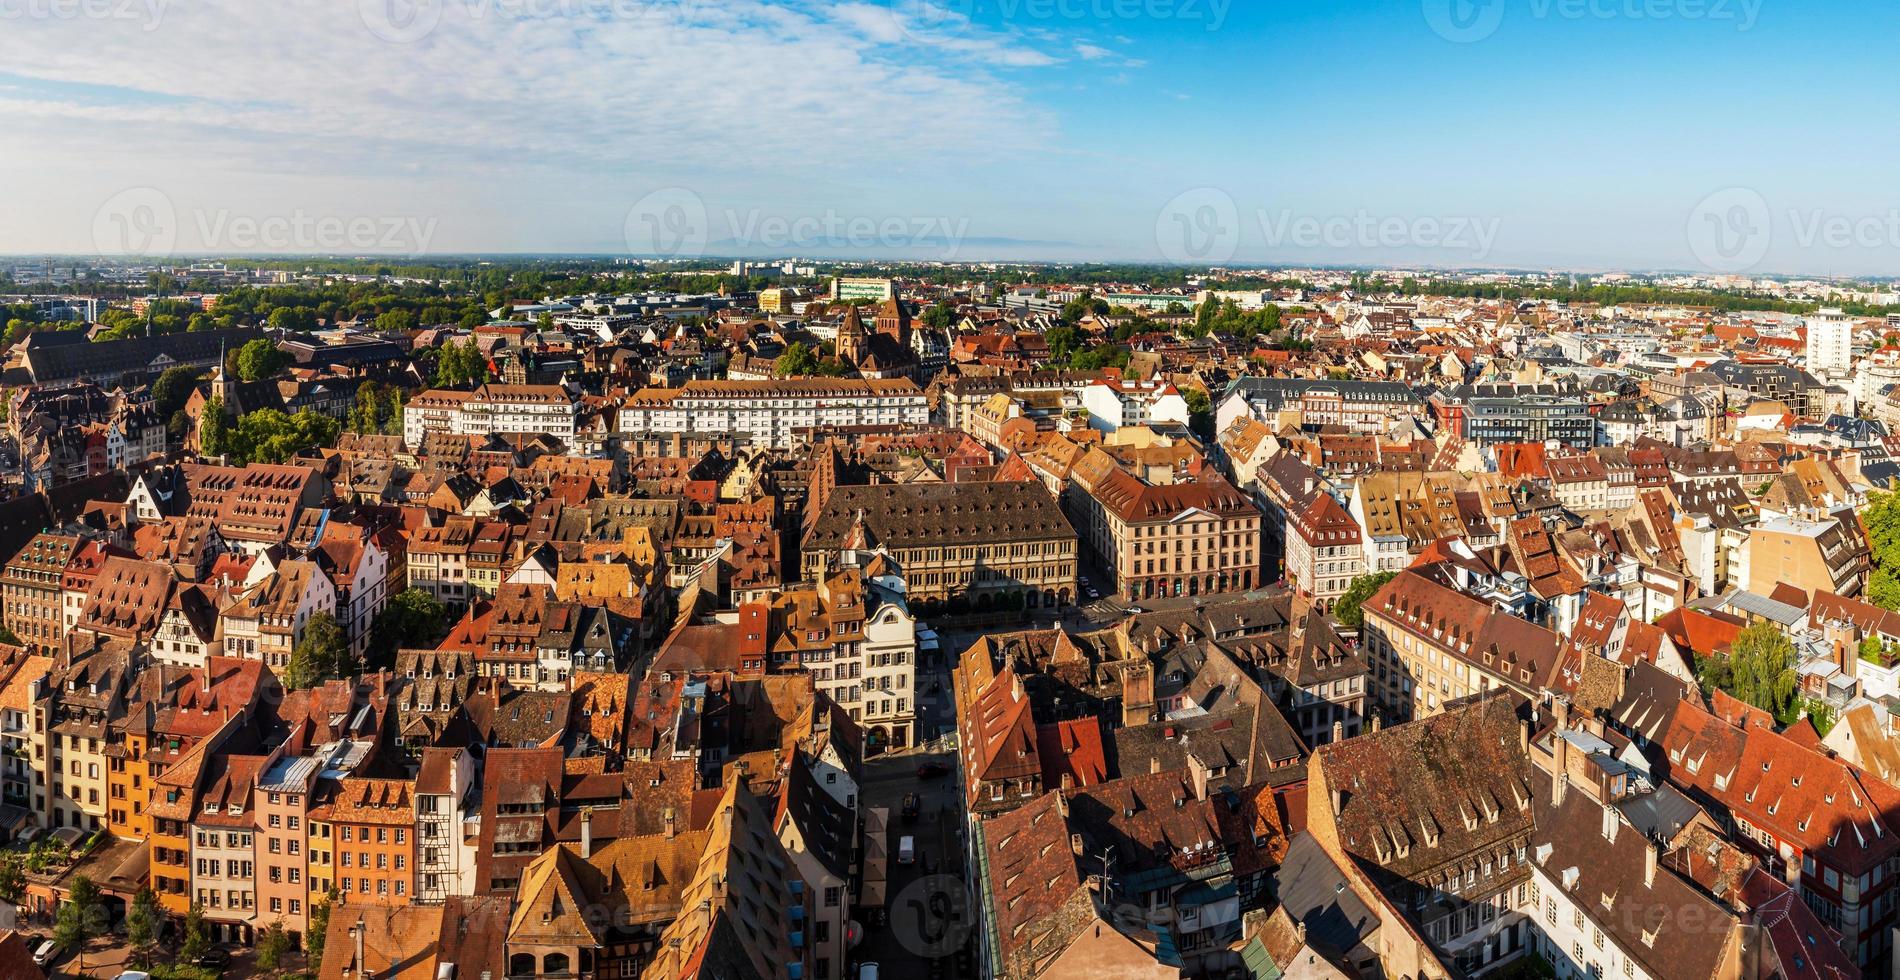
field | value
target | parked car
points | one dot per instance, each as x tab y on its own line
911	808
932	770
907	850
213	959
43	953
867	971
133	975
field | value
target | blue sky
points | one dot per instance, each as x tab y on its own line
1573	134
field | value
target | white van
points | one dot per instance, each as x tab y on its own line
907	850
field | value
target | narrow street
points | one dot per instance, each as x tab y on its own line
926	921
927	916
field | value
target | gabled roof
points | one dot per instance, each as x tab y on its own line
552	906
1416	796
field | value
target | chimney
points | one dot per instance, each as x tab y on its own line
1075	844
1062	805
1339	803
587	832
356	933
1068	781
1138	694
672	823
1524	737
1154	764
1650	855
1560	767
1197	775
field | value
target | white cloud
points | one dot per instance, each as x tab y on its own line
1092	52
568	92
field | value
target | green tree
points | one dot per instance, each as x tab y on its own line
396	321
1074	310
80	919
940	316
1758	669
172	389
411	618
1099	357
1882	517
287	318
459	365
214	430
1347	610
392	413
260	359
12	877
1204	317
797	360
272	946
1061	341
1820	714
1883	588
141	924
313	937
1200	413
367	416
270	436
44	854
197	940
322	654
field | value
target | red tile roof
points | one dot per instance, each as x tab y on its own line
1074	749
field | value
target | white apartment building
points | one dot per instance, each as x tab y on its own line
223	867
431	411
493	409
1114	404
445	856
1830	343
890	668
1875	374
850	288
1591	906
770	413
